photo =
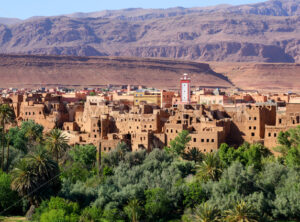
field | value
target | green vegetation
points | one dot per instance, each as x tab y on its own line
66	183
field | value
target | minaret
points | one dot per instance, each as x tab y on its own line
185	89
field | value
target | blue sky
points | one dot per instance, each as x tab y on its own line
27	8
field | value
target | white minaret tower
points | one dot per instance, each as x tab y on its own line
185	89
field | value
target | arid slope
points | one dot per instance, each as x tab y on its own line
278	77
33	71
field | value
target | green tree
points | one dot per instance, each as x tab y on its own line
194	194
287	140
287	198
7	115
25	181
59	210
114	157
7	197
56	143
241	212
292	158
85	155
157	204
75	171
93	214
227	154
193	154
178	145
210	168
28	135
35	177
42	164
205	213
133	210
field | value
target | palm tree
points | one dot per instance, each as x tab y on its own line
242	212
34	172
7	115
33	135
193	155
25	180
42	164
56	142
205	213
133	210
210	168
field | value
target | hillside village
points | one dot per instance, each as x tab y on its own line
150	118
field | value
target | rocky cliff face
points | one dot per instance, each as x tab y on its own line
264	32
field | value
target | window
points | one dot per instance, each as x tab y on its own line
207	140
109	148
250	127
95	136
195	139
250	118
40	112
212	140
275	134
167	130
150	126
171	131
104	148
280	121
254	127
269	134
252	134
202	140
254	118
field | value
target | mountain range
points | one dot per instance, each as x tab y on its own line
262	32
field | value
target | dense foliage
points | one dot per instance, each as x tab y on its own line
65	183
